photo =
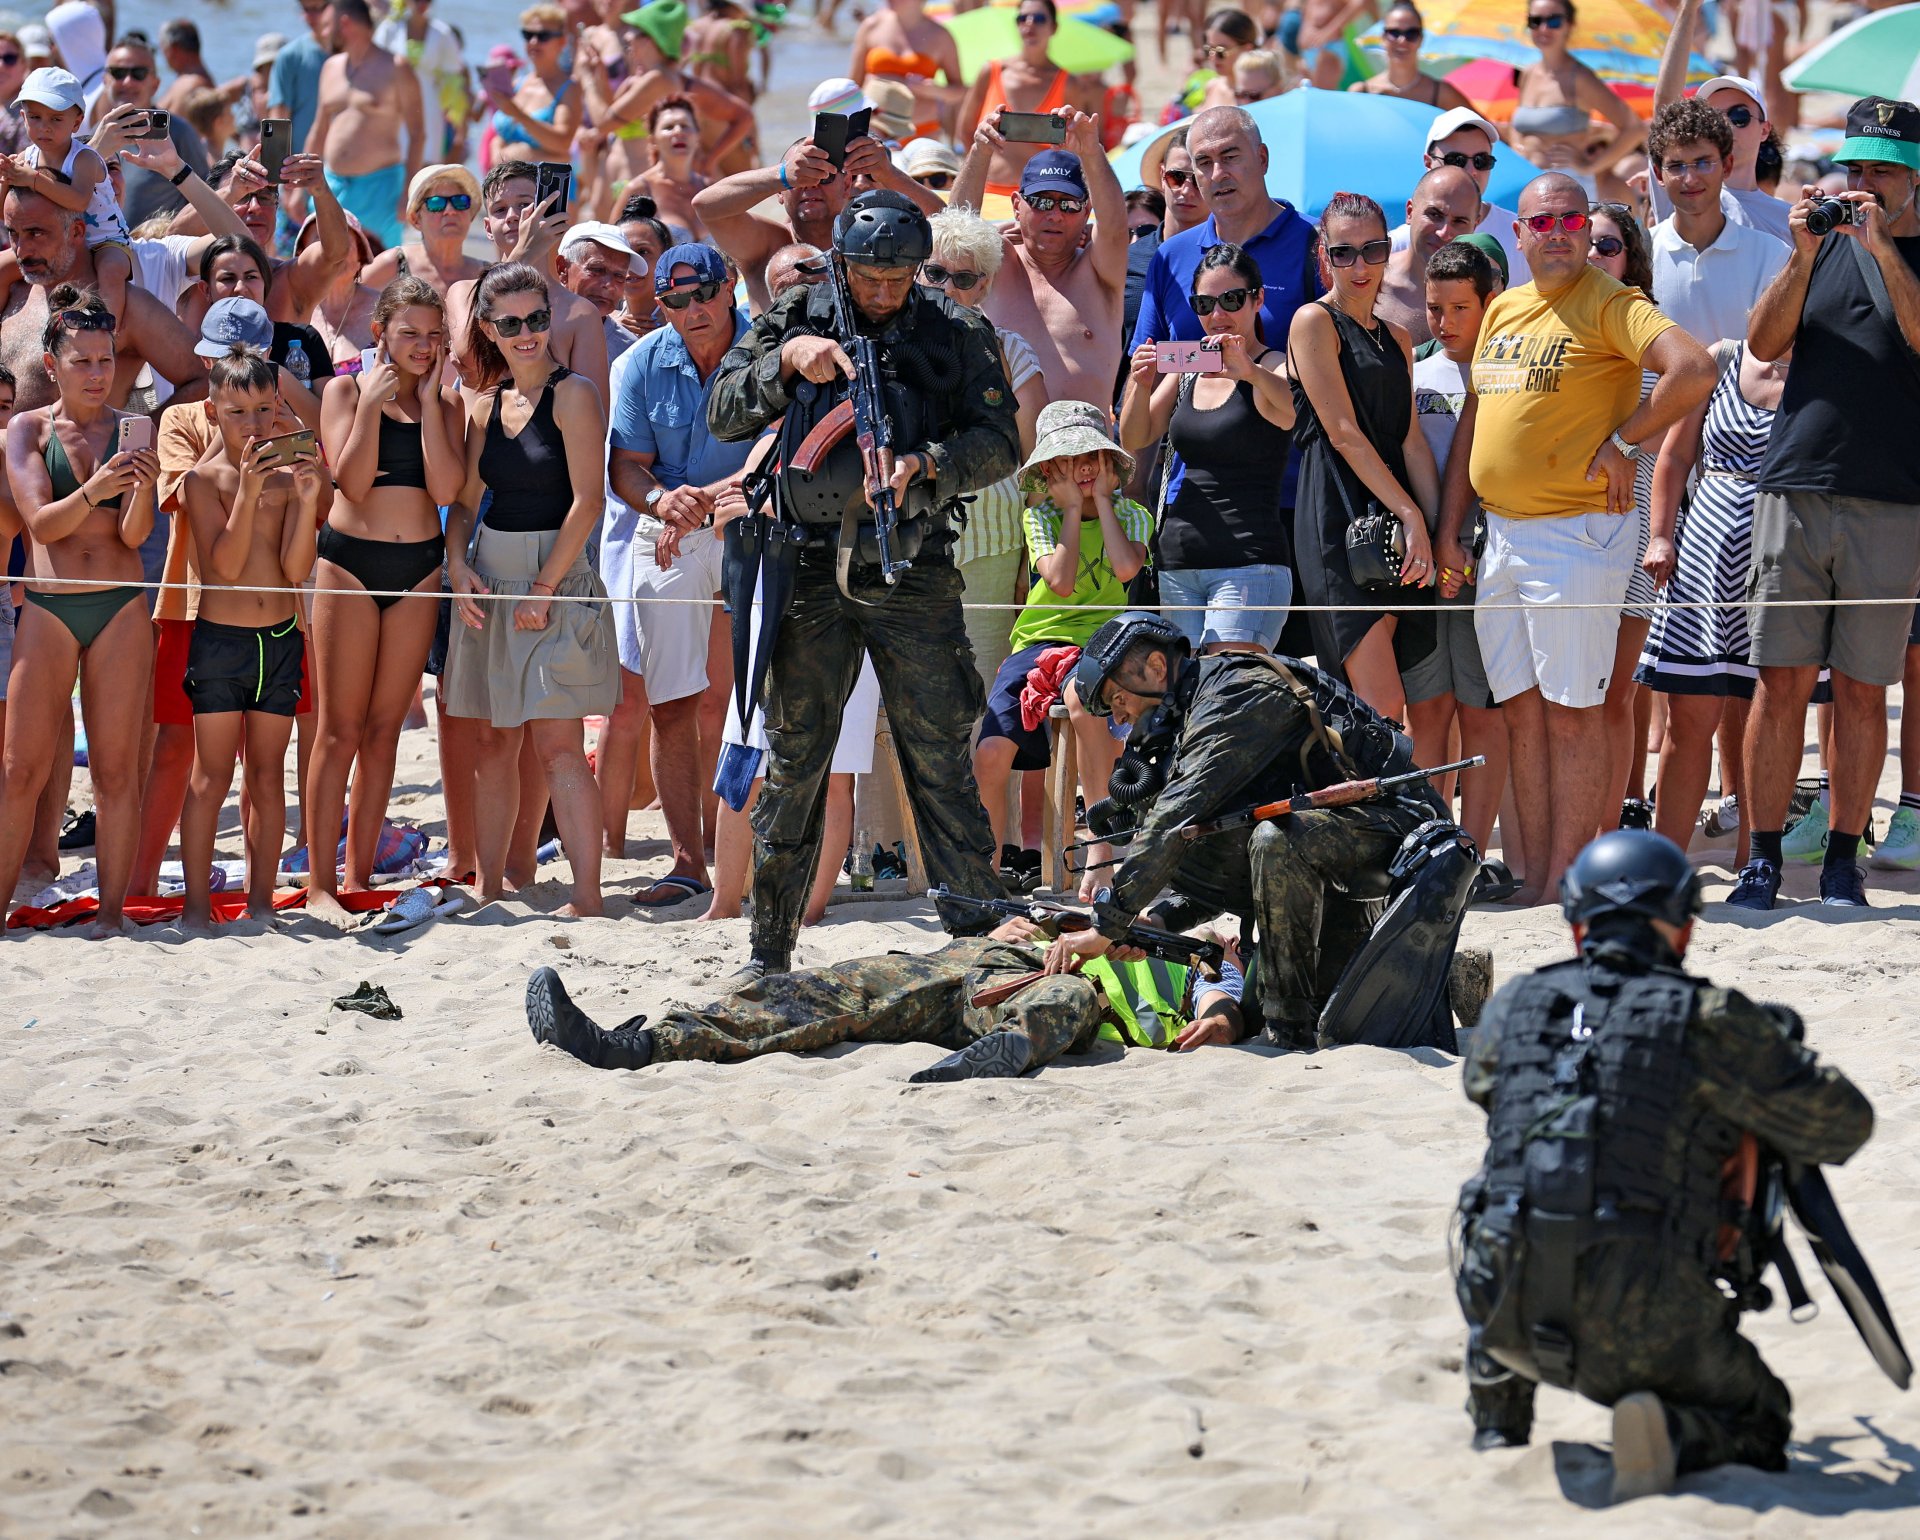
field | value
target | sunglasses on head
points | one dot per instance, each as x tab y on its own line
1403	34
1046	203
1229	300
935	181
940	277
1373	253
510	325
129	71
1542	224
86	320
438	203
1175	178
678	299
1483	160
1608	245
539	34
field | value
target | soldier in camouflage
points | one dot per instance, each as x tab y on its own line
898	998
1618	1090
913	630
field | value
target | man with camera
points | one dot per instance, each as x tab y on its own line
1838	514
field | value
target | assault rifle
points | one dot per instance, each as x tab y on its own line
1341	794
1056	919
872	429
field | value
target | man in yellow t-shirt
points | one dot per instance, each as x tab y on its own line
1554	423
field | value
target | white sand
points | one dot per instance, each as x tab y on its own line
268	1270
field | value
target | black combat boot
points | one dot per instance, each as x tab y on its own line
554	1018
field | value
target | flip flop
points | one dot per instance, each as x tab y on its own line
683	888
420	906
1495	884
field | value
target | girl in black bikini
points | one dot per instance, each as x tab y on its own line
395	442
86	508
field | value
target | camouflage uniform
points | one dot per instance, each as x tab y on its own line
1311	880
913	631
1647	1314
898	998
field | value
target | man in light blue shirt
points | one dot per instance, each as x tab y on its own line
669	474
293	86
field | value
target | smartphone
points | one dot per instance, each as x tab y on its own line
154	124
276	144
498	78
834	131
287	448
1032	128
551	177
1188	358
136	433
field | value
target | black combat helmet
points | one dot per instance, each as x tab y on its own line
883	229
1630	872
1107	646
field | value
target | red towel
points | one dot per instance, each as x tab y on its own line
226	907
1045	681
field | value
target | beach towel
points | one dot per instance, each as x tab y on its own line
157	911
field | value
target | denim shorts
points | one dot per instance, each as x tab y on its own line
1233	597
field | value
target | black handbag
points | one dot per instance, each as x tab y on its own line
1376	548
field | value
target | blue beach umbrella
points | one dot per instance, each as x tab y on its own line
1323	142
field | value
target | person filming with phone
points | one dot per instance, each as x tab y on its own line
1838	511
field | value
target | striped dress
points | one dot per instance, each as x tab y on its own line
1704	652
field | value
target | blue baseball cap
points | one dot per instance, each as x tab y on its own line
1054	171
704	260
231	320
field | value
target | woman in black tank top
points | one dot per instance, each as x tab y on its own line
393	439
1222	547
537	438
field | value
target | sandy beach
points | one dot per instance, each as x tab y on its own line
274	1270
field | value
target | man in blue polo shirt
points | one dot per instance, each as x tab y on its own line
670	472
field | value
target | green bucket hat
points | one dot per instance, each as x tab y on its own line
665	21
1879	129
1068	428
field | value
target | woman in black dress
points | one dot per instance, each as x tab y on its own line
1359	443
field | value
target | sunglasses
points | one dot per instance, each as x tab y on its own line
439	203
940	277
265	196
1403	34
1542	224
510	325
130	71
1551	23
1678	168
1373	253
86	320
1141	232
1246	98
8	60
935	181
1176	178
700	293
1046	203
1608	245
540	35
1460	160
1230	300
1032	19
1215	51
1739	117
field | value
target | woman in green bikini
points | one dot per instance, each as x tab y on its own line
87	507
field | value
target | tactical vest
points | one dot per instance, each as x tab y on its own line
1347	740
1592	1140
1149	1000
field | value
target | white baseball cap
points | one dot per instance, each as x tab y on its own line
55	88
1452	121
1739	83
839	95
594	233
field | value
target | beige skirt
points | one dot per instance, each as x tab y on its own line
509	677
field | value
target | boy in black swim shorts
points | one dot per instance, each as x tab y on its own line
254	524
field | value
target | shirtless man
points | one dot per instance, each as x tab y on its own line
87	507
299	284
522	233
1322	52
50	244
257	525
367	98
1445	204
811	195
1064	293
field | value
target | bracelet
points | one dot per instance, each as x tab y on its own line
84	498
181	175
783	177
537	584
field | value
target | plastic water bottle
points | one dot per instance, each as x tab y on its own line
860	873
298	364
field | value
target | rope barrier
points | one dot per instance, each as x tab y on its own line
1384	607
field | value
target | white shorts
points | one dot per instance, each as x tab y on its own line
673	637
621	549
853	749
1544	566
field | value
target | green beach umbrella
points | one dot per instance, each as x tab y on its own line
1878	55
990	33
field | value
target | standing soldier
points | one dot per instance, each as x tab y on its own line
954	432
1618	1090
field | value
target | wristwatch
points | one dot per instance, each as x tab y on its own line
181	175
652	498
1631	451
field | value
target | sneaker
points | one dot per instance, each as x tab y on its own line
997	1056
1636	813
1758	887
1900	850
1027	871
1722	818
77	832
1806	841
1844	887
1644	1461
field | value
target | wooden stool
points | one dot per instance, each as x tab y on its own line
1057	826
887	780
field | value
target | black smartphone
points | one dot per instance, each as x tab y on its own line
1032	128
834	131
154	124
550	177
276	144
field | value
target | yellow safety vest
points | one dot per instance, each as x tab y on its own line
1149	999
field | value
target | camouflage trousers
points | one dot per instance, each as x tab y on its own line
899	998
1641	1329
915	634
1315	877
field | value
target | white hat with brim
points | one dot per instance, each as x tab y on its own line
921	157
593	233
1069	428
446	171
1740	83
